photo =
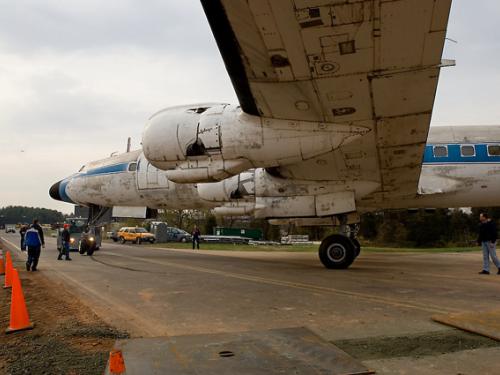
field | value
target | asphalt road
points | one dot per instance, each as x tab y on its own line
161	292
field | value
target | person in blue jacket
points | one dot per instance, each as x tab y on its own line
34	242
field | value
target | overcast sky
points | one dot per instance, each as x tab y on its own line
77	77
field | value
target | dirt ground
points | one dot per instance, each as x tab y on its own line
68	338
414	346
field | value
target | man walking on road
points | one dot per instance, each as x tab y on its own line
196	237
34	241
65	238
22	232
488	239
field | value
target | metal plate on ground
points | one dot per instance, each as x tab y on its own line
280	351
485	323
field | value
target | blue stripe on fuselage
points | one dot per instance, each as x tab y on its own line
455	157
100	171
62	190
107	169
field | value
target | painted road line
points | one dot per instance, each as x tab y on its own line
309	287
297	262
22	253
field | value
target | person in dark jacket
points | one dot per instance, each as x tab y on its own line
488	240
196	237
22	232
65	238
34	242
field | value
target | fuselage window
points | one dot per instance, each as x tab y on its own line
468	150
440	151
493	150
132	167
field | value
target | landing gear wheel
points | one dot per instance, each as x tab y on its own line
90	251
83	248
357	246
337	252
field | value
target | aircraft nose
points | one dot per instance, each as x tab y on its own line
54	191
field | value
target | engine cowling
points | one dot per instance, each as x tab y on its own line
236	209
209	143
236	188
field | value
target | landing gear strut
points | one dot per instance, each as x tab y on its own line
338	251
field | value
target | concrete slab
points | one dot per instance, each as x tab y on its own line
281	351
467	362
486	323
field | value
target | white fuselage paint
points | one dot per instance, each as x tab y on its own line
115	181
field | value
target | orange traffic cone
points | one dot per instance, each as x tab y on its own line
2	266
116	362
8	270
19	319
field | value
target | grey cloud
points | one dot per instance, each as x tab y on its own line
30	25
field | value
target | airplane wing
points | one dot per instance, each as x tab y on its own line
372	63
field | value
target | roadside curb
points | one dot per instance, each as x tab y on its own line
11	246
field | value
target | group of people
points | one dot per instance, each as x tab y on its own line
32	239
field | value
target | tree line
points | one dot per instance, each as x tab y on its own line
421	228
394	228
23	215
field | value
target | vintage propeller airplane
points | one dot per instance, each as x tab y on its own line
334	120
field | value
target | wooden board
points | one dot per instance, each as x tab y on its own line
485	323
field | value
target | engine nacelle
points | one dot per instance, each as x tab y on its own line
239	187
206	143
236	209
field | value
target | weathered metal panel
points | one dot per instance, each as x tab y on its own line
281	351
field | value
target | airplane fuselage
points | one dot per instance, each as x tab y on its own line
126	180
461	168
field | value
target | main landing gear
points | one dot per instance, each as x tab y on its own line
338	251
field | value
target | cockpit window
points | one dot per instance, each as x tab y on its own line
197	110
440	151
468	150
132	167
494	150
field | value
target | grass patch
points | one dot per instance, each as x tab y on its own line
307	248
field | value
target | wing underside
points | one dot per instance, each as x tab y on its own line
372	63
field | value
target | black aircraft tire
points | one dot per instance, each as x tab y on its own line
357	246
337	252
82	249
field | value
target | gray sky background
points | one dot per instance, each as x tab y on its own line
77	77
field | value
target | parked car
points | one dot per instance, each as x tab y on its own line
113	235
178	235
9	228
135	234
